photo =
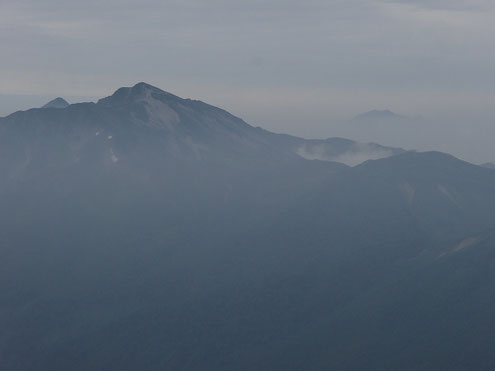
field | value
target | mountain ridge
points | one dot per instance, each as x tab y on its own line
150	232
192	122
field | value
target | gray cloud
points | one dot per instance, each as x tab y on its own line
462	5
351	44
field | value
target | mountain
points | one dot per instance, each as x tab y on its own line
185	128
151	232
56	103
377	115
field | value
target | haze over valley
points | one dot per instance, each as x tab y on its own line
148	231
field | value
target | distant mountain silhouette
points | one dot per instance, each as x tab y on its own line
56	103
377	115
151	232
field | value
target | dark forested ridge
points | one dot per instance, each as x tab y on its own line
152	232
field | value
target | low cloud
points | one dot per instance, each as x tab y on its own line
354	155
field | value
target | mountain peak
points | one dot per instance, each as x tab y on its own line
56	103
137	93
144	85
378	115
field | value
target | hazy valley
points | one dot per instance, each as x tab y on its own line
147	231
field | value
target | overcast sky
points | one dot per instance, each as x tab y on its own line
287	65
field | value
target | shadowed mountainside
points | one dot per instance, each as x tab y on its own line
152	232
